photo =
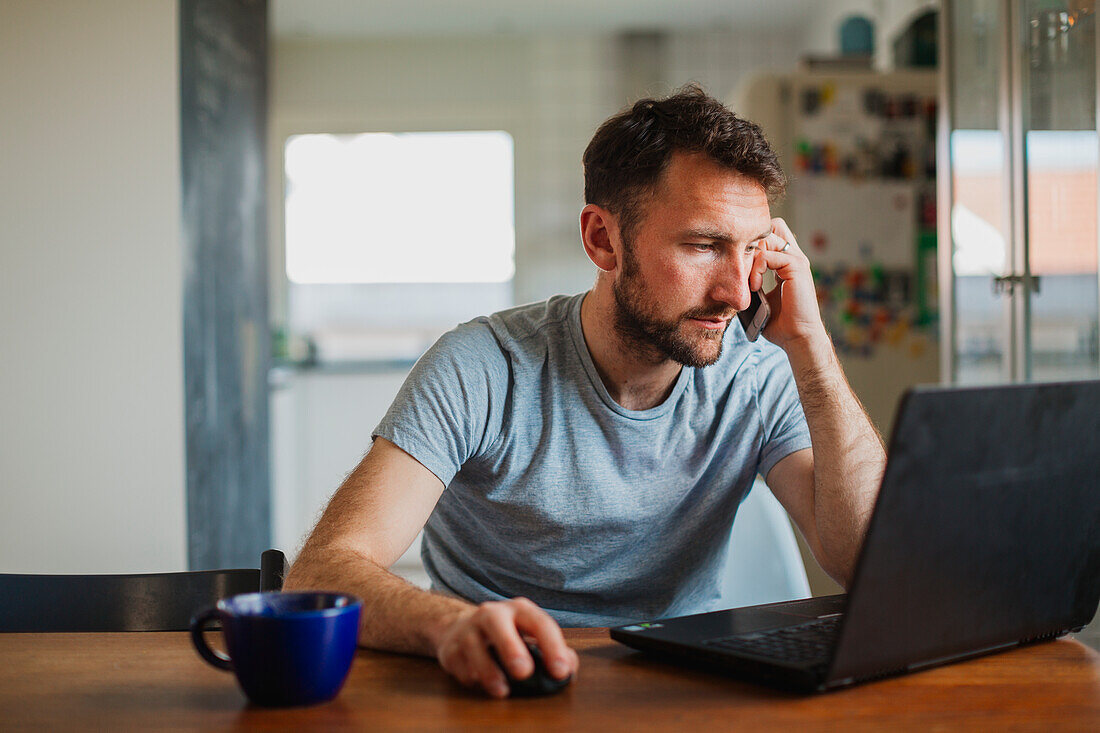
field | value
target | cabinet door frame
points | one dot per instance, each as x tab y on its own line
1015	325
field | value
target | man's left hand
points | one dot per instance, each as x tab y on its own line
795	314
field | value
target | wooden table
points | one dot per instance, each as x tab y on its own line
155	680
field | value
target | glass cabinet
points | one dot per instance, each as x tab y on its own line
1018	191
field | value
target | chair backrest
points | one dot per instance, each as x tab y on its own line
143	602
764	564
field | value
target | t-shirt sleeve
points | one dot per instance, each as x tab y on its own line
784	422
448	409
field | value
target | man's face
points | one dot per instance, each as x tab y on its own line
684	275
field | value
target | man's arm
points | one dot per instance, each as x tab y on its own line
370	521
829	491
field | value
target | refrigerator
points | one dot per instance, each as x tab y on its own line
859	150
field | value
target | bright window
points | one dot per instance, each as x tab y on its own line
415	207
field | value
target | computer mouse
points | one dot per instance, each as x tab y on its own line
540	682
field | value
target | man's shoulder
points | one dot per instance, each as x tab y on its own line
541	319
510	334
525	331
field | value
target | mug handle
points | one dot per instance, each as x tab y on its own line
198	625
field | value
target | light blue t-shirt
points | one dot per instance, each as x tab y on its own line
599	514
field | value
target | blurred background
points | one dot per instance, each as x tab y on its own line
230	228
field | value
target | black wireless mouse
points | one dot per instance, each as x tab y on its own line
540	682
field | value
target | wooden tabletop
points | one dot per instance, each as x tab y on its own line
155	680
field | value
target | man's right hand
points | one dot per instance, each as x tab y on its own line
369	522
463	647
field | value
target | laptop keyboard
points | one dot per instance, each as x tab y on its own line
812	642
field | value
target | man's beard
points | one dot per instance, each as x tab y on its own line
636	324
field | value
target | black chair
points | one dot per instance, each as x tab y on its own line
146	602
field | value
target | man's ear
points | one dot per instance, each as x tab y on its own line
600	236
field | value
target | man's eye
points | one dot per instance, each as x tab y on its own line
703	247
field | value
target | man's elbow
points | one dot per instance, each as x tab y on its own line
298	577
840	564
312	569
843	579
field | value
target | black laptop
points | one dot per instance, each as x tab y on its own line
985	536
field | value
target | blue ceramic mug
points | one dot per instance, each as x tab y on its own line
285	648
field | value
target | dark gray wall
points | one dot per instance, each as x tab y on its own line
223	96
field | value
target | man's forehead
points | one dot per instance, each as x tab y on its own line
699	178
694	168
713	218
735	207
719	234
698	197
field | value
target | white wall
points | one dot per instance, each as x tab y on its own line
549	91
91	398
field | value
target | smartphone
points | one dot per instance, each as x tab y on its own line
755	317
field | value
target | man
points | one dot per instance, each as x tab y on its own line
589	452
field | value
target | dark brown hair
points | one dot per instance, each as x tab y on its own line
626	157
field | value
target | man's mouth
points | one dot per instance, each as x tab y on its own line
714	324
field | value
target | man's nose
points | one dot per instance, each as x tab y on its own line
731	285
